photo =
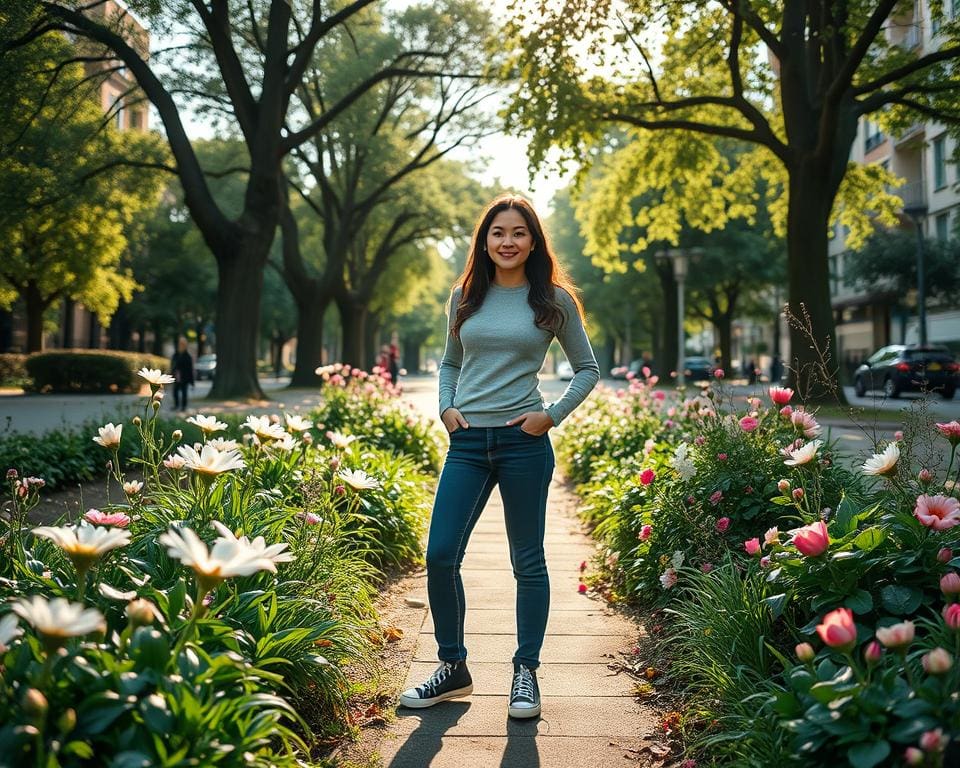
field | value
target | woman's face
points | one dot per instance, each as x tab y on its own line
509	240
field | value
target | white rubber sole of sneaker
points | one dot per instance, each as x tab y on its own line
523	712
415	703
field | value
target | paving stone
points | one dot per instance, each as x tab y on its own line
493	678
571	649
502	621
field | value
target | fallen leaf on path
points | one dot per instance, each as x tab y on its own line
392	634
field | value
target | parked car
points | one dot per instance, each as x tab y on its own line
205	368
564	370
898	368
697	368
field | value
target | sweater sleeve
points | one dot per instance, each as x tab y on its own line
576	346
449	372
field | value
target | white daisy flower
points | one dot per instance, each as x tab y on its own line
155	377
358	479
132	487
209	461
339	440
297	423
109	436
84	544
263	428
883	463
804	454
223	444
58	620
9	631
208	424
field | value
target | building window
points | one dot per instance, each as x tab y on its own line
943	226
873	135
940	162
136	119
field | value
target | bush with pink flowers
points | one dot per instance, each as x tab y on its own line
814	604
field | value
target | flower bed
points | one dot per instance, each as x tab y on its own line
812	611
207	617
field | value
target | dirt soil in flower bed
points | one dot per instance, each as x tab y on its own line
75	500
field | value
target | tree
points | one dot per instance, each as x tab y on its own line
63	229
792	78
378	156
887	265
259	53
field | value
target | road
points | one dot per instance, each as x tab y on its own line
41	413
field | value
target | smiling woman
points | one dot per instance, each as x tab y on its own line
511	301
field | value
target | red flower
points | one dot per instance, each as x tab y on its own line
647	476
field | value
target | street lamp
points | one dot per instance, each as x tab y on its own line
916	212
681	262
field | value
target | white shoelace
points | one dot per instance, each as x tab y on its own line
522	684
440	674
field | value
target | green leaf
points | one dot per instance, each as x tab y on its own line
845	520
776	604
859	602
867	754
900	600
869	539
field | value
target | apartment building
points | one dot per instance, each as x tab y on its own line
923	157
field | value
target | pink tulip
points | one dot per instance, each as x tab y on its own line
873	652
752	546
772	536
706	567
647	476
718	373
838	630
645	532
898	636
765	561
950	584
951	615
780	395
945	555
937	662
721	457
938	512
722	524
813	539
925	476
804	652
748	423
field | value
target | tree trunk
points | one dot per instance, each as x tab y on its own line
35	307
68	325
309	342
239	289
156	348
411	355
723	325
201	338
353	317
370	346
6	330
667	362
813	343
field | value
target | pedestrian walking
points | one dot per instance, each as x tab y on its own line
394	363
181	366
512	299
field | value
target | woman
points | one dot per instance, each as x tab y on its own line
512	299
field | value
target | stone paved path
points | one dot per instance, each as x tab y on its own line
589	715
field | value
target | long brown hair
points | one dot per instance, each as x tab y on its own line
544	273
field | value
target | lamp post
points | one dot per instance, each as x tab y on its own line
681	262
916	212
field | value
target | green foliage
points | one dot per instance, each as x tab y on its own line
13	370
89	370
227	668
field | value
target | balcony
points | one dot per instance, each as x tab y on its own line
914	196
911	135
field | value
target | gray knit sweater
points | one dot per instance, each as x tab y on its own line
490	373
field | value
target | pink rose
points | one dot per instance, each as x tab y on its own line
722	524
718	373
748	423
716	497
752	546
938	512
945	555
797	494
647	476
937	662
706	567
873	652
838	630
721	457
804	652
786	411
951	615
934	741
925	476
645	532
812	540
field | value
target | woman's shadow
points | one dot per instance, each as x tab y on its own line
423	744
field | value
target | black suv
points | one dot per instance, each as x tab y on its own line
899	368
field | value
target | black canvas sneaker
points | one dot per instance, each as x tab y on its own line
524	693
449	681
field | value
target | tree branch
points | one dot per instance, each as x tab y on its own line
944	54
844	77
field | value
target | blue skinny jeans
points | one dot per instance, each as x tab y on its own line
479	458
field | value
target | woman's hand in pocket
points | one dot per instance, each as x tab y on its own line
453	420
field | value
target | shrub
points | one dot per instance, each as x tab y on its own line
94	371
13	370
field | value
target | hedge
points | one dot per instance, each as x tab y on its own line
94	371
13	370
